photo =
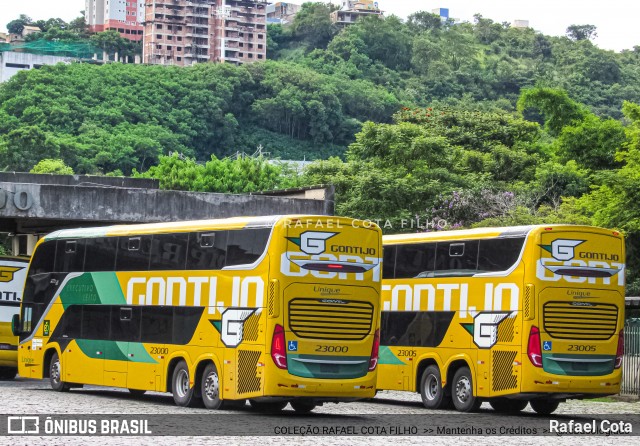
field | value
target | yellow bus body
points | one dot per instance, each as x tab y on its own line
481	308
13	271
215	309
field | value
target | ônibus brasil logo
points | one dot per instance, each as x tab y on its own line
562	249
312	242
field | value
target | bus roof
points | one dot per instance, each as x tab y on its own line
480	233
180	226
193	226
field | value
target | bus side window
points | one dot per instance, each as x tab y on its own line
95	321
157	325
169	251
499	254
245	246
44	258
125	324
389	262
415	260
70	256
207	250
457	258
100	254
133	253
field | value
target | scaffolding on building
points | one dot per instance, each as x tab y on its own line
76	50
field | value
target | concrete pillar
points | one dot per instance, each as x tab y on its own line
31	243
136	59
15	245
105	56
116	58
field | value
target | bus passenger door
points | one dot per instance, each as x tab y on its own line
83	357
146	355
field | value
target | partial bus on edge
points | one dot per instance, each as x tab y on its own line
270	309
13	271
505	315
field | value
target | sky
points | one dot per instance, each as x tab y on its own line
616	20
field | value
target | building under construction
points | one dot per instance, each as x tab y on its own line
185	32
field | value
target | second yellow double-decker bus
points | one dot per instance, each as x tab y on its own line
505	315
13	271
270	309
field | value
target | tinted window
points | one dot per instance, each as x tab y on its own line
207	250
415	260
125	324
185	322
43	259
133	253
246	246
388	262
457	258
169	251
100	254
157	325
95	321
499	254
69	256
71	322
414	328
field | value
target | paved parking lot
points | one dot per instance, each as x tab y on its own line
35	397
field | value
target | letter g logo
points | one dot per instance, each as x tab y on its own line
562	249
312	242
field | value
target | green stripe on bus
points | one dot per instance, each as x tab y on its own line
115	350
93	288
386	356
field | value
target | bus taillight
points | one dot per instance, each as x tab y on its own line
533	350
620	350
278	344
373	362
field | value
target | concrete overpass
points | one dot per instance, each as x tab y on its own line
32	205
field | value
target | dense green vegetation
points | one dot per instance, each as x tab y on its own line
472	124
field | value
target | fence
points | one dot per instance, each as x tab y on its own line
631	361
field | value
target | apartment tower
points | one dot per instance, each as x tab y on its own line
124	16
185	32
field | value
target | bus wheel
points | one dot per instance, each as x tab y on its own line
504	405
463	398
8	373
211	388
267	407
55	375
431	390
137	392
183	393
301	407
544	407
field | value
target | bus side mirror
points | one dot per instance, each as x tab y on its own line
15	325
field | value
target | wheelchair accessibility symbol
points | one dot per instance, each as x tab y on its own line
546	346
292	346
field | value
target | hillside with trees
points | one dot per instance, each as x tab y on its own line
473	124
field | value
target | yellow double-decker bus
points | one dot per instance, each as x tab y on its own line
505	315
270	309
13	271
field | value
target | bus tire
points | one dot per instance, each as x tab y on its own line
301	407
183	393
462	391
55	375
544	407
504	405
210	388
267	407
8	373
431	390
137	392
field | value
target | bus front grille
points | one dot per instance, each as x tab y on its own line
330	319
580	320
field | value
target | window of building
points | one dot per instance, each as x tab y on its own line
179	59
158	47
169	37
259	56
250	56
179	49
260	36
179	39
260	46
159	36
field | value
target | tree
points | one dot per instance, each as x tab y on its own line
582	32
110	41
55	166
17	26
313	24
423	21
555	105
